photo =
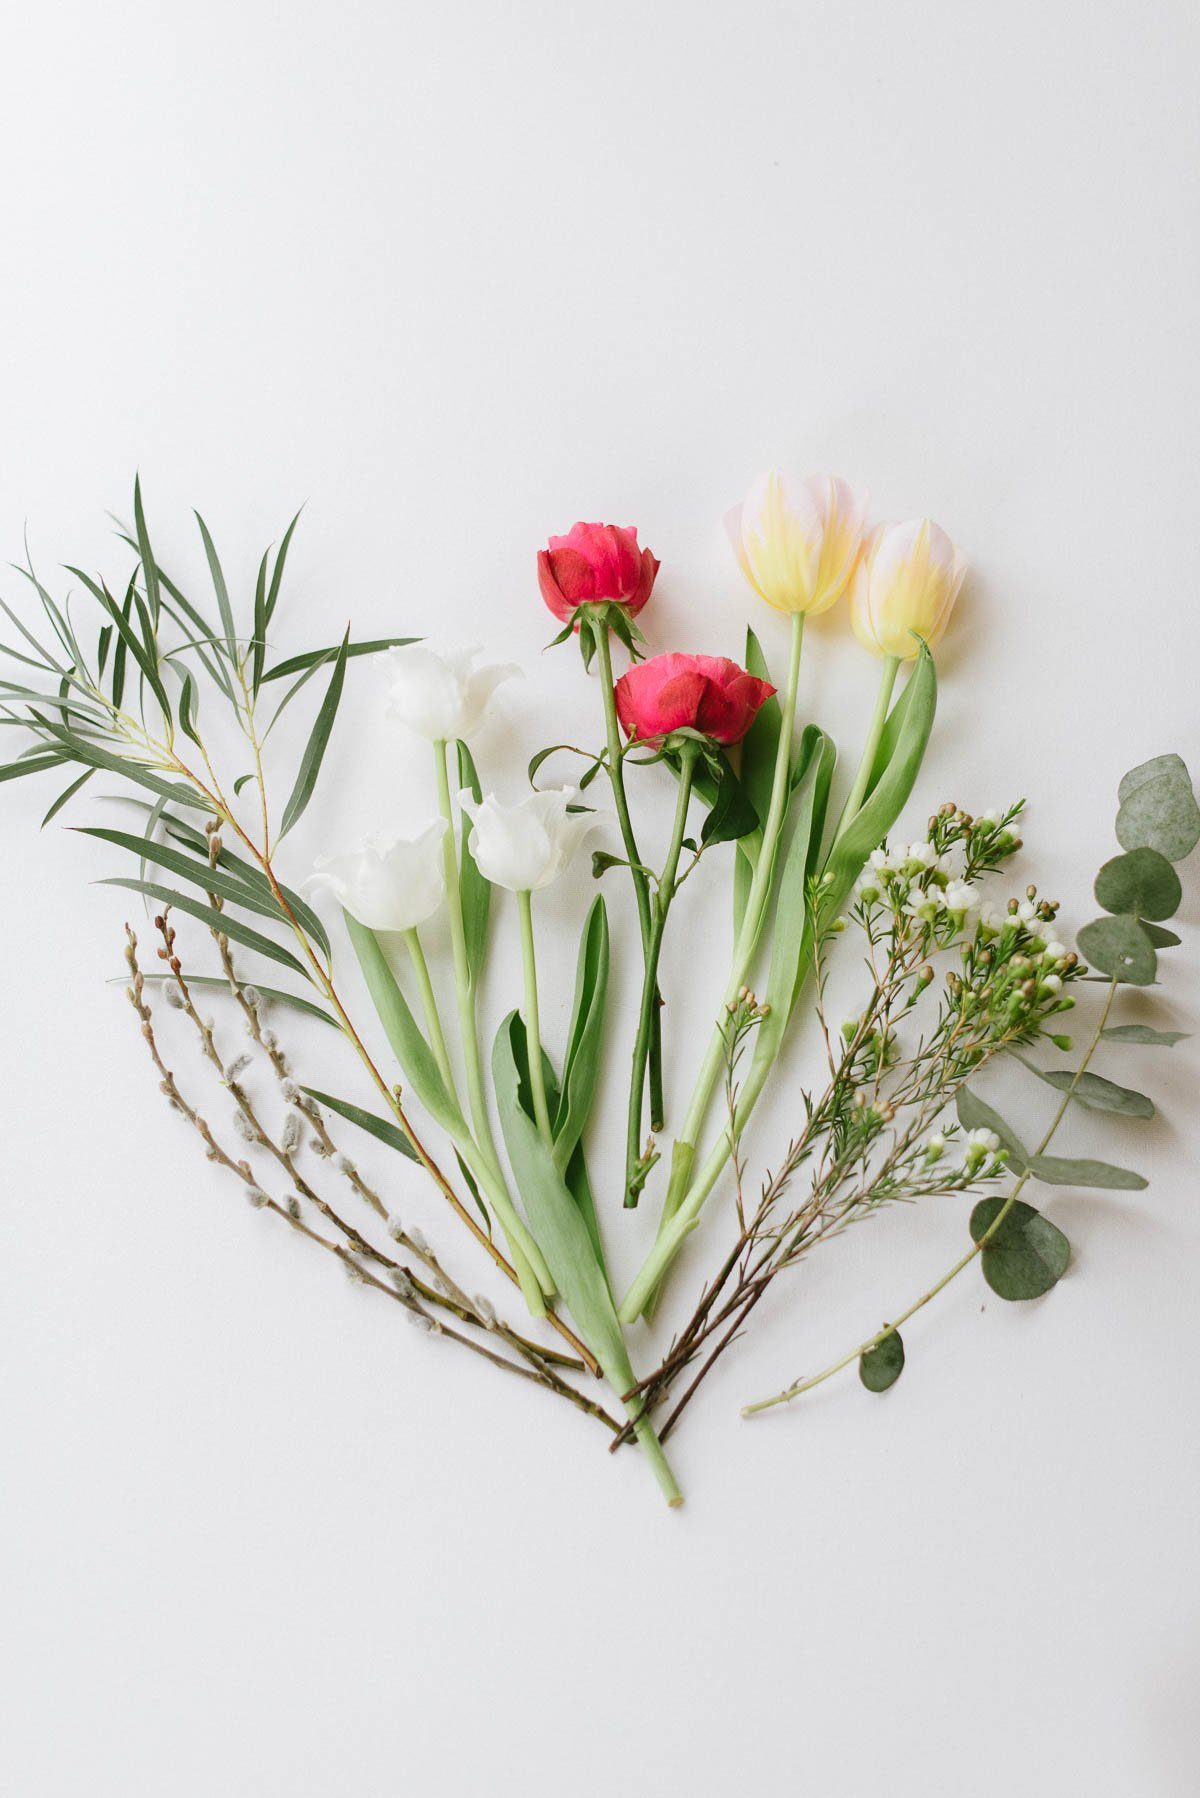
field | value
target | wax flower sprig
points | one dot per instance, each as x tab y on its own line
174	698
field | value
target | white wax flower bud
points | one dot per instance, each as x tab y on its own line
442	697
953	861
921	855
1027	911
935	1146
393	888
525	846
1052	983
1055	951
981	1142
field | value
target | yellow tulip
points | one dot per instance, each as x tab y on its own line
905	586
798	541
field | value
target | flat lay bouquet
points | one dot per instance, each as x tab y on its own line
167	701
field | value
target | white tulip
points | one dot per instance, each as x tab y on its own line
442	697
525	846
387	889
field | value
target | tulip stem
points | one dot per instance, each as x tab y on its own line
533	1029
887	681
437	1040
642	1295
530	1268
641	886
649	1005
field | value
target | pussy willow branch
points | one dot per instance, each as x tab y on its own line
407	1286
221	806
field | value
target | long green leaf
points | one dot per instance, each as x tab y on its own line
791	937
35	765
209	879
277	572
221	921
68	793
585	1039
149	566
313	658
80	750
408	1045
378	1127
259	644
318	742
220	589
275	993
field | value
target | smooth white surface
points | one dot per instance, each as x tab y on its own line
457	275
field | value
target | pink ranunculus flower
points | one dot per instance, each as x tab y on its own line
595	562
710	694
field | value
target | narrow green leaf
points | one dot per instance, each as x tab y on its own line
318	742
189	702
275	993
231	927
80	749
378	1127
475	890
791	942
314	658
34	765
220	589
259	645
202	874
149	566
1142	1033
881	1366
894	785
761	742
1060	1170
1120	948
1141	882
277	572
1028	1254
67	794
585	1039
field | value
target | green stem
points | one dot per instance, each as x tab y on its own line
649	1003
528	1263
887	681
683	1154
433	1022
977	1248
533	1028
641	886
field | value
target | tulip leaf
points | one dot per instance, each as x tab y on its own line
378	1127
791	941
558	1224
318	742
881	1366
1027	1255
1142	1033
1120	948
1141	882
1158	808
585	1039
475	891
893	785
221	921
408	1045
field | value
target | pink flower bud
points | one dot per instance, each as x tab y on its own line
680	692
595	562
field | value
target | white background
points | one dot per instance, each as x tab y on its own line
457	275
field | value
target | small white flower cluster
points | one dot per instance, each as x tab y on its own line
920	883
978	1146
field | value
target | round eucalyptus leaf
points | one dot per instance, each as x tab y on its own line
1120	948
882	1366
1095	1093
1158	808
1162	939
1142	882
1027	1255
